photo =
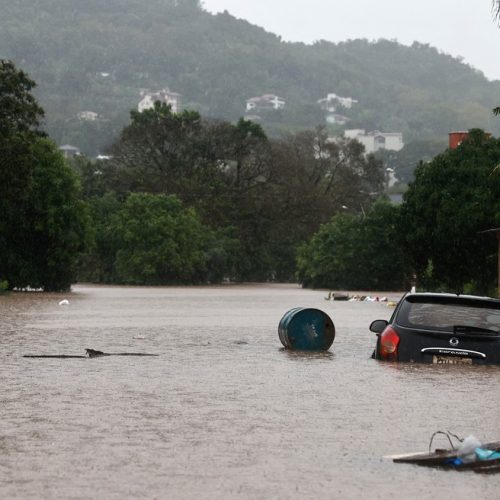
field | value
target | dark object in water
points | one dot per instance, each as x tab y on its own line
58	356
306	329
91	353
337	296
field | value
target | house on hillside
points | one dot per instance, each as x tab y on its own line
332	101
69	151
374	141
331	104
149	97
265	102
88	116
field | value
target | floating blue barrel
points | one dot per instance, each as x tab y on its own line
306	329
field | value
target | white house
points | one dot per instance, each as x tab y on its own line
164	96
331	102
88	116
374	141
266	101
330	105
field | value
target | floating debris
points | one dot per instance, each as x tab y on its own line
58	356
337	296
469	454
91	353
64	302
306	329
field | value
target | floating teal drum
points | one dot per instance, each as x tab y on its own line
306	329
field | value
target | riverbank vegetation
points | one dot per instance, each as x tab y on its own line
43	223
185	199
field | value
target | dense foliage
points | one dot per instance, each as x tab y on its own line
453	199
43	223
151	240
52	225
356	252
262	197
187	199
97	55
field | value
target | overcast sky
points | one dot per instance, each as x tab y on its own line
458	27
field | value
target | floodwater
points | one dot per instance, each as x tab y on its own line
224	412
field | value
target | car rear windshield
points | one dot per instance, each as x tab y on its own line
445	314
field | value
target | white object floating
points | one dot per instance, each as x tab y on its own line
138	337
64	302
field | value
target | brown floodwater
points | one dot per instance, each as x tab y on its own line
223	412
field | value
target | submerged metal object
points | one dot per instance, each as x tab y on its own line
306	329
91	353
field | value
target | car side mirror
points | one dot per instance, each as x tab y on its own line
379	325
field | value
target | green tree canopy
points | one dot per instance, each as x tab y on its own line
453	199
20	115
52	225
355	252
43	224
19	110
159	242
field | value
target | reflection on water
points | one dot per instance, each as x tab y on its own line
224	411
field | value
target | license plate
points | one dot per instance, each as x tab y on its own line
451	360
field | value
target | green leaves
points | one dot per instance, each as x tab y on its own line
44	224
19	111
452	200
154	240
355	252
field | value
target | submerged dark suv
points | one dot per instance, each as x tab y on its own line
440	328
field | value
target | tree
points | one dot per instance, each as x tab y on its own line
453	199
20	115
356	252
404	162
168	153
19	110
216	167
160	242
52	225
43	224
97	264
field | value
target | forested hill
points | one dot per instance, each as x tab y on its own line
96	55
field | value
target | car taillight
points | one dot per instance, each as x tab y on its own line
389	341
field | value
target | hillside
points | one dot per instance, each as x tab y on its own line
97	55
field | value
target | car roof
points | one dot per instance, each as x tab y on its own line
451	296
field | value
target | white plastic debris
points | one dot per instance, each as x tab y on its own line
466	450
64	302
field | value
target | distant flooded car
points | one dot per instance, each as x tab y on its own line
442	329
